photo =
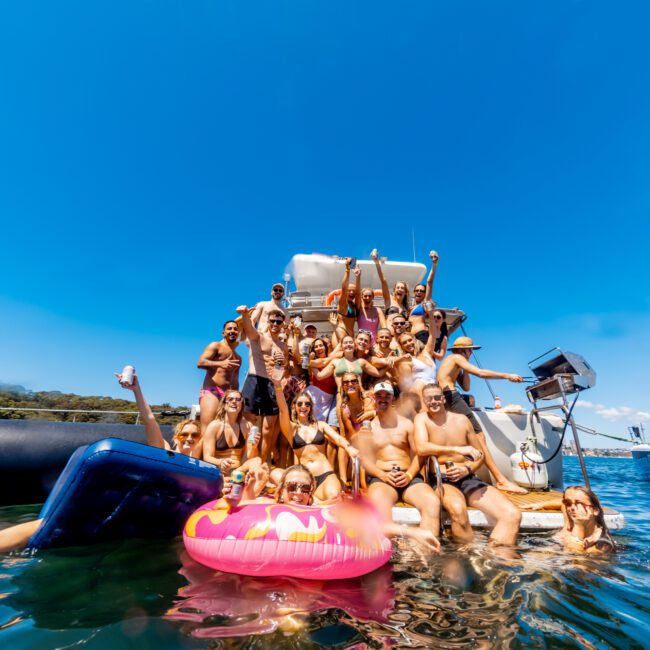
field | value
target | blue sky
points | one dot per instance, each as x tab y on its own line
161	162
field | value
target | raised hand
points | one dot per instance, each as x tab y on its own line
517	379
357	272
242	309
434	256
132	386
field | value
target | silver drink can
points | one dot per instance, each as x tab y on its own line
127	376
251	435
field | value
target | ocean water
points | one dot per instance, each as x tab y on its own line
151	595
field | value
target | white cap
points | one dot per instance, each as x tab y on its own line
385	386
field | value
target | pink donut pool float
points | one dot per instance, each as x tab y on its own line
277	539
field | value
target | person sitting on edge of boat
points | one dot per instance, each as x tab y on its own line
267	351
221	364
308	437
440	347
452	440
456	368
392	466
262	310
228	437
422	294
400	296
187	434
369	317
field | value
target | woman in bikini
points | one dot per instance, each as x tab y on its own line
440	348
227	437
422	294
347	363
308	439
400	296
349	304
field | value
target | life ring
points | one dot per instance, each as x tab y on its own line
344	540
337	292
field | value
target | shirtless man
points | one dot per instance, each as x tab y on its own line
391	464
262	309
451	438
456	368
221	364
268	353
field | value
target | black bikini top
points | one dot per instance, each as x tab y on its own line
299	443
222	443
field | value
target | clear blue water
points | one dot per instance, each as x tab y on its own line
137	595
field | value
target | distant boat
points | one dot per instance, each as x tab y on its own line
640	452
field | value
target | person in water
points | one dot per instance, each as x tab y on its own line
221	364
186	440
457	369
308	437
228	437
450	437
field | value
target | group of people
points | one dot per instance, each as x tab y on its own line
380	387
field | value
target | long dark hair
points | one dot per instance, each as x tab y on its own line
600	513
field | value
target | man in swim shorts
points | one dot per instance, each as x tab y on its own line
221	364
456	368
392	466
268	353
451	438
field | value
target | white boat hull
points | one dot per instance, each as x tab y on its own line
641	456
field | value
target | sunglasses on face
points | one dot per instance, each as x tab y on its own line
434	398
438	317
276	321
278	290
185	436
399	323
303	404
419	290
350	382
236	400
303	488
568	503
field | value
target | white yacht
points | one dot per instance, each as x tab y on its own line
640	452
514	435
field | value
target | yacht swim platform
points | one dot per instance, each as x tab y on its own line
541	519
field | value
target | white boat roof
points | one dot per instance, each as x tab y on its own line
318	273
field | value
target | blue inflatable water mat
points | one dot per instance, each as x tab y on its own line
117	489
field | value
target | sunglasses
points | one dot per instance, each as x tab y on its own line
399	323
434	398
438	317
568	503
185	436
234	399
276	321
419	290
303	403
278	290
303	488
350	382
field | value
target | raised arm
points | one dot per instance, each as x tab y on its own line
385	291
431	341
154	435
247	324
343	300
286	426
357	285
432	274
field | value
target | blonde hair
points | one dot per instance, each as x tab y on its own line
182	424
221	411
295	468
294	412
344	396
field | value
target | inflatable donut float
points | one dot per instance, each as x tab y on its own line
276	539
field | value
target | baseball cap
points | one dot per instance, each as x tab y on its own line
385	386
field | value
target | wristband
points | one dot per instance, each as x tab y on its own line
409	475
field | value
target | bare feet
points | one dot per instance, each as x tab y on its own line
509	486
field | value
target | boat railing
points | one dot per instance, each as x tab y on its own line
76	412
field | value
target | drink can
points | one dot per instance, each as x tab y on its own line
374	253
353	263
127	376
251	436
428	305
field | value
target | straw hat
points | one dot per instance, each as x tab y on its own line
464	343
